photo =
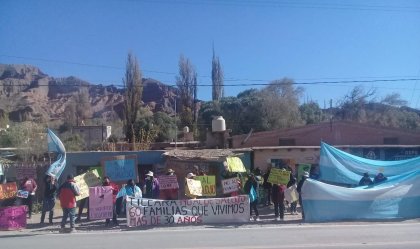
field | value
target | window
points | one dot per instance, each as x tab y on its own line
287	142
391	140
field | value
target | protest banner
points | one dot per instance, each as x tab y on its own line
234	164
8	190
194	187
148	212
22	194
86	180
302	168
121	168
100	203
230	185
168	182
23	171
13	218
208	185
279	176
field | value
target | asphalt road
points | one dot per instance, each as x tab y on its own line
370	235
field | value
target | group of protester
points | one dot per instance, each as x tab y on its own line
366	180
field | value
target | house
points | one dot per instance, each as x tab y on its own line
93	135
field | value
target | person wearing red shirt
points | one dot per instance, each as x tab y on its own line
67	194
115	190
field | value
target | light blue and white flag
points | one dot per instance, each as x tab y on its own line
55	145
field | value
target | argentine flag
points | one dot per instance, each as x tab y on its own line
55	145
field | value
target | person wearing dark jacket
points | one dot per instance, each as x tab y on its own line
299	190
379	178
49	198
365	181
249	184
267	187
67	194
277	195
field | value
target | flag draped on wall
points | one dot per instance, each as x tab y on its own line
55	145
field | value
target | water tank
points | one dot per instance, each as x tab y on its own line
186	129
218	124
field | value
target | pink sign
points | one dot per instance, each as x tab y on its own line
168	182
13	218
100	203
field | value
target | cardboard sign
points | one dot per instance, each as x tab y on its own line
230	185
148	212
208	185
23	171
100	203
22	194
235	164
121	168
13	218
194	187
86	180
168	182
8	190
278	176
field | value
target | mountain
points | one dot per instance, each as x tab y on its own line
28	94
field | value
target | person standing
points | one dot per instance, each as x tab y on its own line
172	193
278	199
151	186
29	185
67	194
292	186
365	181
115	189
187	190
299	190
251	188
267	187
49	198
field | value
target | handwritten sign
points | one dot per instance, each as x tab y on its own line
100	203
22	194
23	171
168	182
230	185
208	185
86	180
194	187
121	168
148	212
8	190
12	218
278	176
235	164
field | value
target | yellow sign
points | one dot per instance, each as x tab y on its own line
193	188
208	185
86	180
278	176
234	164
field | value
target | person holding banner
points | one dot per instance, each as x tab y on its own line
251	188
115	189
49	198
130	189
299	190
28	185
67	194
170	193
187	190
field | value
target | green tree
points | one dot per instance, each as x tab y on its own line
216	78
133	94
311	113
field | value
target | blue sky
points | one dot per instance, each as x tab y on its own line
257	41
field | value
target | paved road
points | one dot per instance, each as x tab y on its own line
349	236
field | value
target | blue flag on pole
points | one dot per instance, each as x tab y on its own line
55	145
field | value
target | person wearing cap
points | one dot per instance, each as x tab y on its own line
299	190
187	190
151	186
172	193
365	181
67	194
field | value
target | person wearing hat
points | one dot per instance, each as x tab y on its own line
365	181
151	186
172	193
299	190
67	194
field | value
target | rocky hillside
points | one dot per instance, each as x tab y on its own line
28	94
